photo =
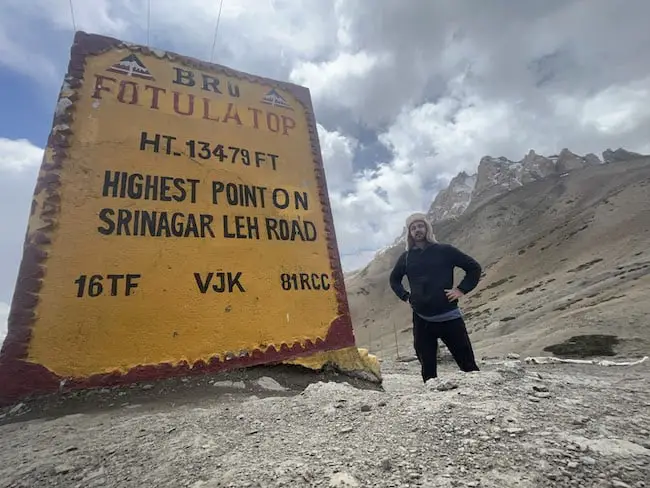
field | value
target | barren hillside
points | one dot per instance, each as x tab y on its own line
564	255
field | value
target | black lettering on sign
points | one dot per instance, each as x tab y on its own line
272	121
115	284
153	142
290	230
184	77
152	223
209	83
228	154
120	184
241	227
239	194
305	281
221	282
128	96
282	199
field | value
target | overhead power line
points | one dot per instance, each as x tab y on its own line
216	30
74	23
148	21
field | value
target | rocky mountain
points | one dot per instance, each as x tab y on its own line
496	176
565	245
453	200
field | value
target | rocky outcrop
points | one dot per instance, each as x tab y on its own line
568	161
535	167
620	154
496	176
453	200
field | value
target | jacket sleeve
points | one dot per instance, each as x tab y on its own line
471	267
399	270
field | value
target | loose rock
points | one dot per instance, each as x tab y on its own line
270	384
343	480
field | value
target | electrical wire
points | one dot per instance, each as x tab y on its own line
74	23
148	21
216	30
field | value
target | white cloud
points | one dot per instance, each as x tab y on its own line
19	155
337	151
19	165
340	81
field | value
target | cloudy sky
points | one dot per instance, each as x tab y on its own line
407	92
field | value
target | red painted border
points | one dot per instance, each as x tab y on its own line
18	378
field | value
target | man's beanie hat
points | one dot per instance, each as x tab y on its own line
414	218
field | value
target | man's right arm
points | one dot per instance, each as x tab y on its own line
399	270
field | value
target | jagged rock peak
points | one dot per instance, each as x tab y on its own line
493	160
567	161
620	154
453	200
592	159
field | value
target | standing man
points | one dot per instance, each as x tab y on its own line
429	268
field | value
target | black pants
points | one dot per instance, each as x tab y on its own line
453	334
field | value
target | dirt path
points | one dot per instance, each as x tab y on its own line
510	425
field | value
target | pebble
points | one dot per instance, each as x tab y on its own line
619	484
229	384
270	384
447	385
580	420
63	469
343	480
94	474
589	461
17	408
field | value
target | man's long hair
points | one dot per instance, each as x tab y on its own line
430	237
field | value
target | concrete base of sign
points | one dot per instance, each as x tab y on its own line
231	386
36	381
350	360
21	380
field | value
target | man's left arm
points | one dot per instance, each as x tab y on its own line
471	267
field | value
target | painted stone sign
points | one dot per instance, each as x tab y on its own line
180	223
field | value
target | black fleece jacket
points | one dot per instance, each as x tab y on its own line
430	271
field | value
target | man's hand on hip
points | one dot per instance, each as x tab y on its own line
454	294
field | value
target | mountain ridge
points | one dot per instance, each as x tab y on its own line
498	175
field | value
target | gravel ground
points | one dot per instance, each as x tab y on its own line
510	425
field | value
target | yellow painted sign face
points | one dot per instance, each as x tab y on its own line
192	222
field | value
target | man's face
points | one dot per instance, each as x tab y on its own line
418	231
